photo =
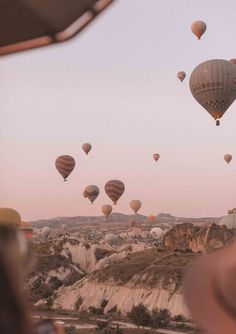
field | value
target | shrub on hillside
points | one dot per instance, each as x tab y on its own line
140	316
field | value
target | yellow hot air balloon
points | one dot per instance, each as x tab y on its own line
65	164
86	147
114	189
10	216
181	75
135	205
198	28
106	210
233	61
213	85
91	192
156	156
228	158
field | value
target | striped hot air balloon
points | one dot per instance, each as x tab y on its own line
65	164
86	147
114	189
91	192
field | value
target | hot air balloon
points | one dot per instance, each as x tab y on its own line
86	147
65	164
233	61
91	192
157	233
10	217
156	156
213	85
106	210
181	75
111	238
198	28
27	230
114	190
228	158
135	205
46	232
152	218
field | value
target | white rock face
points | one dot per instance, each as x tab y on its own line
118	296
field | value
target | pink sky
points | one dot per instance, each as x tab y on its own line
115	86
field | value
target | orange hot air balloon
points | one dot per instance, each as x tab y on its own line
151	218
228	158
10	217
86	147
106	210
233	61
91	192
181	75
135	205
198	28
27	230
114	190
156	156
65	164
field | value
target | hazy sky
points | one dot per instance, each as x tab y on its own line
115	86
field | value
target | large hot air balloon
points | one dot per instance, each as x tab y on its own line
135	205
106	210
10	217
86	147
228	158
198	28
46	232
65	165
157	233
233	61
156	156
27	230
213	85
181	75
91	192
114	189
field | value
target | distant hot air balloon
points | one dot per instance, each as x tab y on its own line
213	85
152	218
114	189
228	158
135	205
181	75
198	28
46	232
91	192
106	210
86	147
10	217
233	61
27	230
156	156
132	223
65	164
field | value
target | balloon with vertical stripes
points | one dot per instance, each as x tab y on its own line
65	164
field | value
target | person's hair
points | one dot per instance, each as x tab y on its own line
13	314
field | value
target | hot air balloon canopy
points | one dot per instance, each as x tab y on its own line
10	217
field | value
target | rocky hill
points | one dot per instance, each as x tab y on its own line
77	274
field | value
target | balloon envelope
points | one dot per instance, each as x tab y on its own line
10	217
157	233
181	75
135	205
65	164
213	85
106	210
114	189
156	156
86	147
91	192
228	158
198	28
